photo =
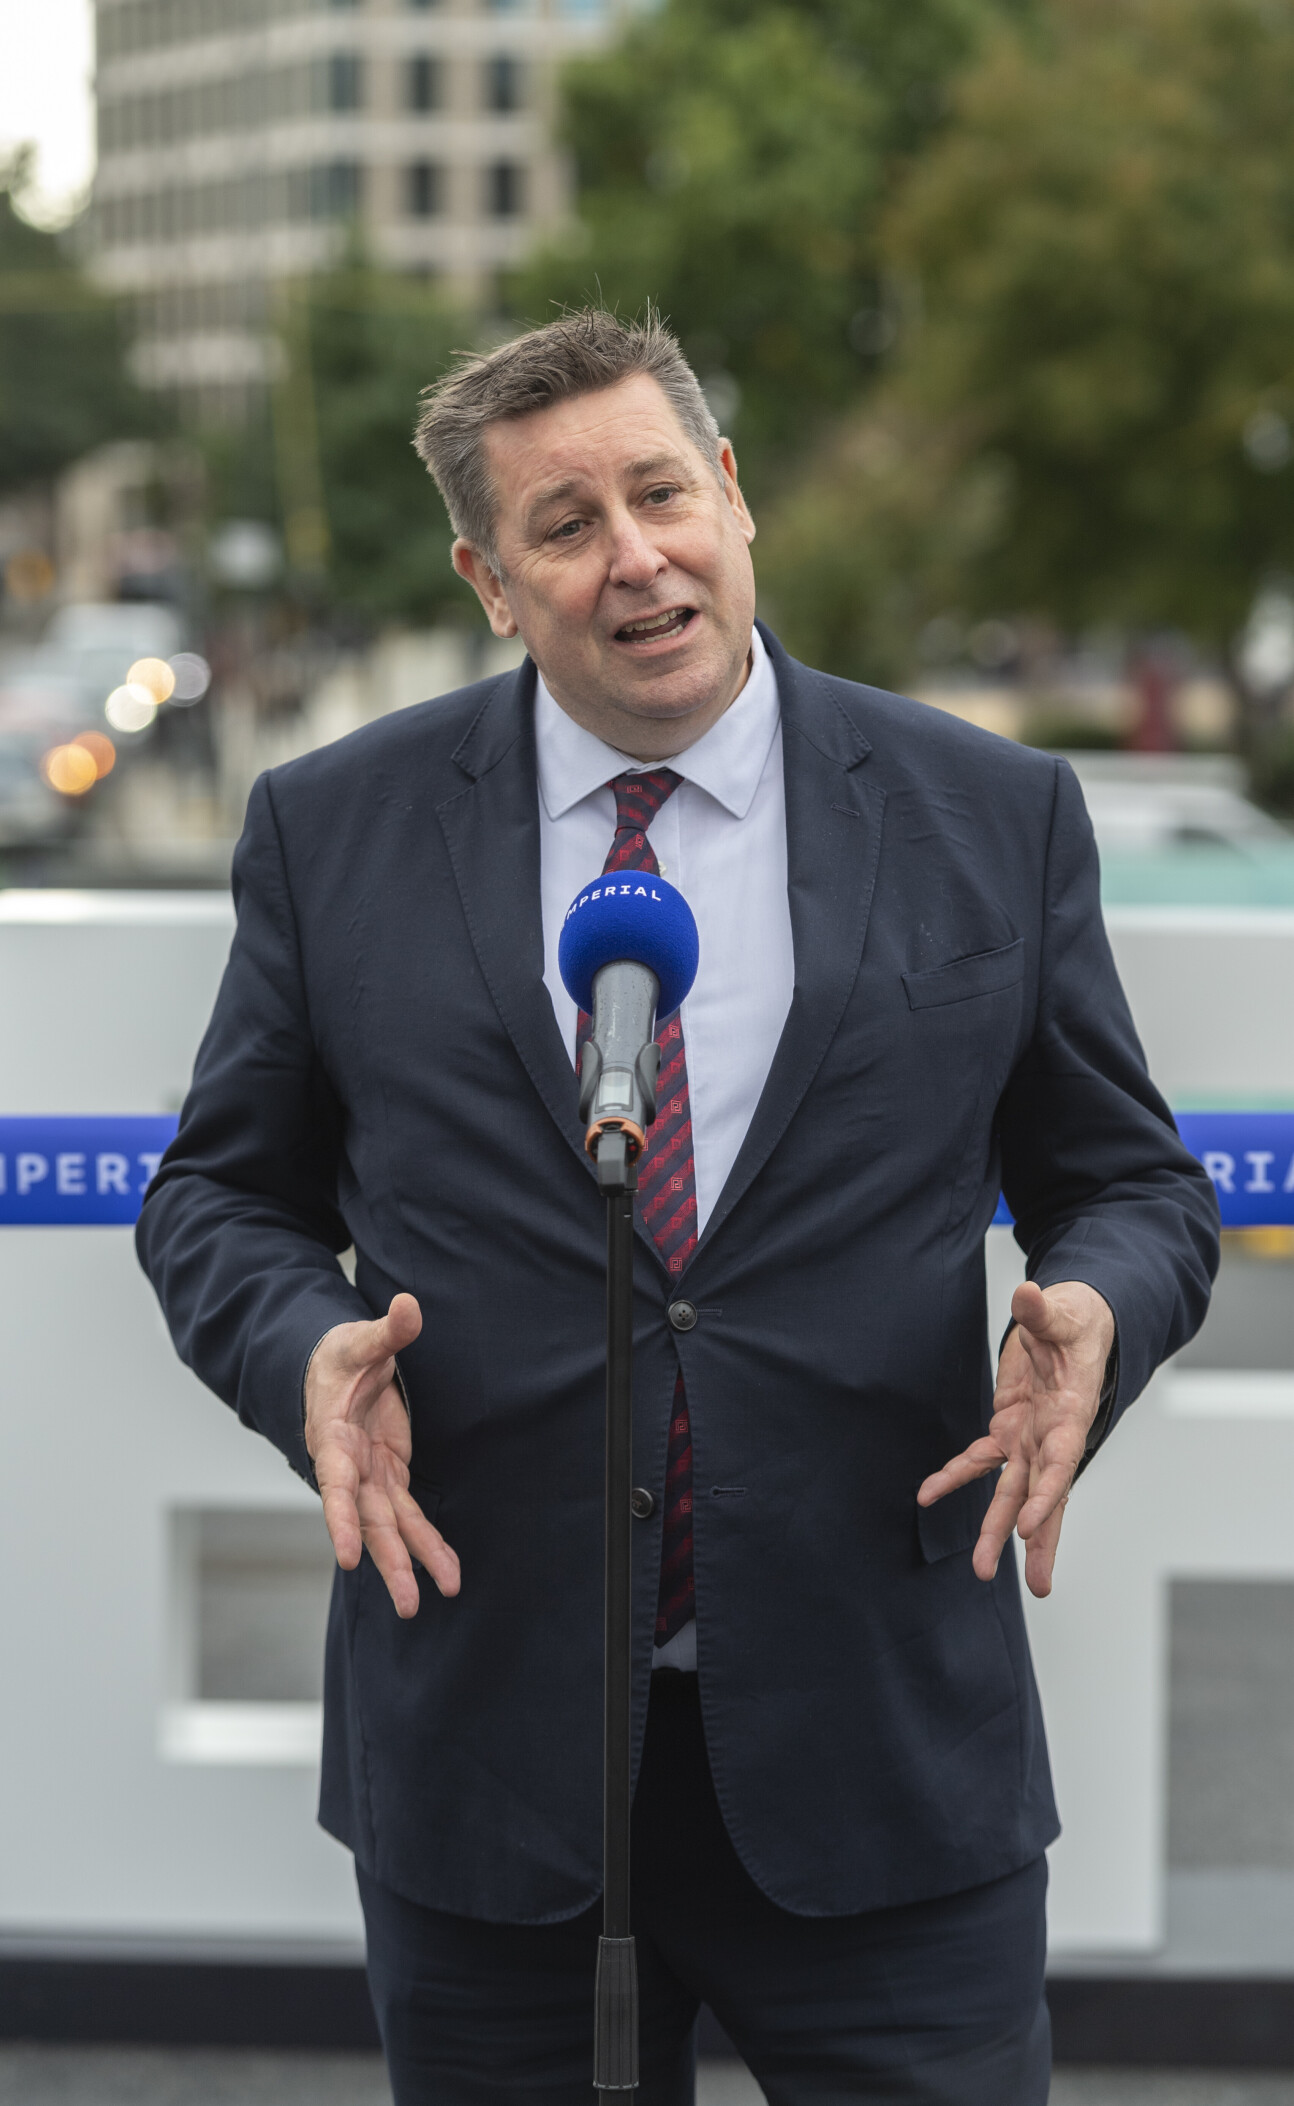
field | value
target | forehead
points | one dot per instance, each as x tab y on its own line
588	439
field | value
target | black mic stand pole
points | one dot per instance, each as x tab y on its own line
615	2035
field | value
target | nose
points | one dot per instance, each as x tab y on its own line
634	561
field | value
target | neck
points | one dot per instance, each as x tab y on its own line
651	739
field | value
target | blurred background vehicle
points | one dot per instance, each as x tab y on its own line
1179	828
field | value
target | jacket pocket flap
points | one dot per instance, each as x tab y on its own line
953	1523
987	973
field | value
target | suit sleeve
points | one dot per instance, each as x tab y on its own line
1100	1185
240	1228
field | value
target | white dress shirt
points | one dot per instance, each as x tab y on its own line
721	839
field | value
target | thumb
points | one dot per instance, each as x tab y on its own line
1034	1313
386	1335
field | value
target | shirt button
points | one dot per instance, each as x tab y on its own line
641	1503
682	1315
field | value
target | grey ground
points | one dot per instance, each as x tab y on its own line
50	2076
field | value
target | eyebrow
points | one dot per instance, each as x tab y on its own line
636	471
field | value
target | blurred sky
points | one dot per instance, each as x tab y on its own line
46	58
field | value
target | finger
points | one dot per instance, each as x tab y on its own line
383	1542
1031	1309
427	1544
1012	1486
366	1345
1049	1491
342	1517
403	1321
1048	1321
1040	1557
976	1461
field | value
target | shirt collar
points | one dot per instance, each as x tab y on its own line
727	763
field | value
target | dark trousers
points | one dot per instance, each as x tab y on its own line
939	2003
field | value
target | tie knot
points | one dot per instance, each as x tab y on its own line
639	796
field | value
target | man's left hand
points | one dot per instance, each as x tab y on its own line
1048	1388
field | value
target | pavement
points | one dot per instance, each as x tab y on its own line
58	2076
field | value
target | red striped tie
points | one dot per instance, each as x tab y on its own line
666	1194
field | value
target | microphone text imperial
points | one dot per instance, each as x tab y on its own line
628	953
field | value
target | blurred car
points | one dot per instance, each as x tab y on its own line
54	690
30	811
59	685
1177	829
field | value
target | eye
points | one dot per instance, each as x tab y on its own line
567	531
662	495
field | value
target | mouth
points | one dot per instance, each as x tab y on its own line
657	628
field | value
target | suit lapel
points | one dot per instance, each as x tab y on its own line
833	840
491	829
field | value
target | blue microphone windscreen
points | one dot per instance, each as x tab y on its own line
629	914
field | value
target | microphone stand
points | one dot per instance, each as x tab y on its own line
615	2032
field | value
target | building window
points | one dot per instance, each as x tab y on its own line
505	186
345	81
423	85
334	190
503	83
425	189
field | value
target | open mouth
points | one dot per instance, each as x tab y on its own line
655	628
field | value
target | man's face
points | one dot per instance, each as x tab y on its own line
625	565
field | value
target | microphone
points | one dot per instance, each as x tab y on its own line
627	953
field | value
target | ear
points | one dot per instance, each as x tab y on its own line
486	584
732	491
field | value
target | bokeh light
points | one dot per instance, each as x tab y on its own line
100	749
155	676
192	677
28	575
130	708
70	770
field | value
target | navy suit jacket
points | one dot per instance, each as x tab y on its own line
383	1069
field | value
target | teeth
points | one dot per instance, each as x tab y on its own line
657	621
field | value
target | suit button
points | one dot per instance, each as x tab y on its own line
682	1315
641	1503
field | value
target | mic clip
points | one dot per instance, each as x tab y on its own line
646	1070
617	1105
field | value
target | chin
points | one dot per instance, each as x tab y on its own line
674	694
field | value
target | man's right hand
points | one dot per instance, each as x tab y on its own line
360	1441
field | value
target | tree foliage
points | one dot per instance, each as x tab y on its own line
731	162
1106	243
362	343
63	382
1099	252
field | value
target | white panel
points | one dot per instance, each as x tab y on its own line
104	1432
124	1813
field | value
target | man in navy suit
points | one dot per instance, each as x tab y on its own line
905	1003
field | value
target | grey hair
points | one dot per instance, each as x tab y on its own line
578	354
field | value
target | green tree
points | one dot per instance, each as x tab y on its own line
64	387
1105	243
360	515
731	162
875	541
1100	250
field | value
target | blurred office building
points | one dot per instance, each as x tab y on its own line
243	142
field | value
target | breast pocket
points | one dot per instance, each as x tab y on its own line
962	979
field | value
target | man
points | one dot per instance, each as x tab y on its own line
905	1000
